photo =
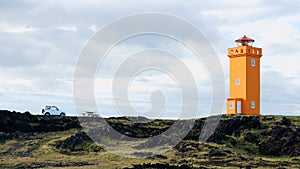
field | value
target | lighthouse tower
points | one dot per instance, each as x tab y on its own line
244	78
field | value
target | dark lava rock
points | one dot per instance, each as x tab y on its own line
285	121
248	167
73	140
51	164
27	116
5	136
251	138
237	133
216	153
78	142
150	143
217	137
187	147
21	125
71	124
137	128
233	126
11	122
232	142
243	158
279	131
159	156
196	130
268	118
142	154
138	119
161	166
280	140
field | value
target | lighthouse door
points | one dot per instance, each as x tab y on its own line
239	107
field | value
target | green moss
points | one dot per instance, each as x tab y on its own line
239	153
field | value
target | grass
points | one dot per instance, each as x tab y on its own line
46	154
38	150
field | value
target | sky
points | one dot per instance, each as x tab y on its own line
41	41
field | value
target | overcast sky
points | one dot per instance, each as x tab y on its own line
40	42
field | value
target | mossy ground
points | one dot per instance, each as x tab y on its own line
38	150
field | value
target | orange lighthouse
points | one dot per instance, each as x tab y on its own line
244	78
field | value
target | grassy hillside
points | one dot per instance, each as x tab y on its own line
28	141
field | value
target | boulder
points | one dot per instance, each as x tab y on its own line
280	140
251	138
284	121
216	153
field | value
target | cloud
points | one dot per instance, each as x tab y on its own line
41	41
67	28
280	94
20	29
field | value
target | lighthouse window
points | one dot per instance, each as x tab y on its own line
252	62
231	105
252	104
237	81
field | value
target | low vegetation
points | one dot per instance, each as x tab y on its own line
30	141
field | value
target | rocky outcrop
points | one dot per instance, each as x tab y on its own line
251	138
265	135
162	166
216	153
11	122
78	142
281	140
47	164
228	126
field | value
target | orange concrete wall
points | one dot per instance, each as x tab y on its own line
253	86
233	110
229	110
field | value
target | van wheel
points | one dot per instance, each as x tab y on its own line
62	114
47	114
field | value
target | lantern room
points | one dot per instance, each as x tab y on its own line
244	41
